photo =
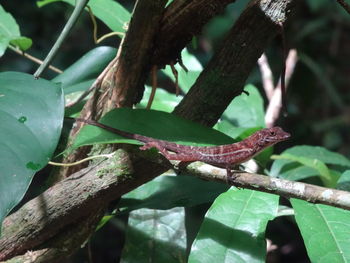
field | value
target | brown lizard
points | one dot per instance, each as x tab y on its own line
225	156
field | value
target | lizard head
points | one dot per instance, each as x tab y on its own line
271	136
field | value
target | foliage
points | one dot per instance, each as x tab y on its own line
235	226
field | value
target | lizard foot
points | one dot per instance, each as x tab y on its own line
148	145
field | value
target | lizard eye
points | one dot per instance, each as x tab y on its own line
272	133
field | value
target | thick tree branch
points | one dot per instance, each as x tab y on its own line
64	244
74	198
183	19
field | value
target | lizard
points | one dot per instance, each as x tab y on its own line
224	156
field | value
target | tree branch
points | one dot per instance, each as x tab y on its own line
74	198
263	183
182	20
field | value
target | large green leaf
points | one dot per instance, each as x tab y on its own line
110	12
167	192
155	124
163	100
31	114
155	236
291	170
88	67
246	110
10	33
234	227
325	231
315	164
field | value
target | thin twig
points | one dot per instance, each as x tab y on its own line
34	59
176	75
154	87
82	161
266	76
345	5
94	25
282	187
94	85
275	105
78	8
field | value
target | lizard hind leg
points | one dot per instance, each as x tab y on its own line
170	156
161	148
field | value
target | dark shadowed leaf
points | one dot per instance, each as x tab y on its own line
31	114
167	192
155	236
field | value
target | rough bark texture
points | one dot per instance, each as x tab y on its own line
73	199
76	197
123	82
183	20
288	189
65	243
225	76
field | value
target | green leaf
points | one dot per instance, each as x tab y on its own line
234	227
185	79
113	14
246	110
9	32
23	43
31	114
163	100
151	123
166	192
86	68
325	231
344	181
289	169
318	165
155	236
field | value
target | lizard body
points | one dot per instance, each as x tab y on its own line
225	156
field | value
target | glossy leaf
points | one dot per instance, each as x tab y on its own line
166	192
155	236
325	231
246	110
10	33
344	181
291	170
163	100
110	12
316	164
234	227
31	114
185	79
88	67
156	124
